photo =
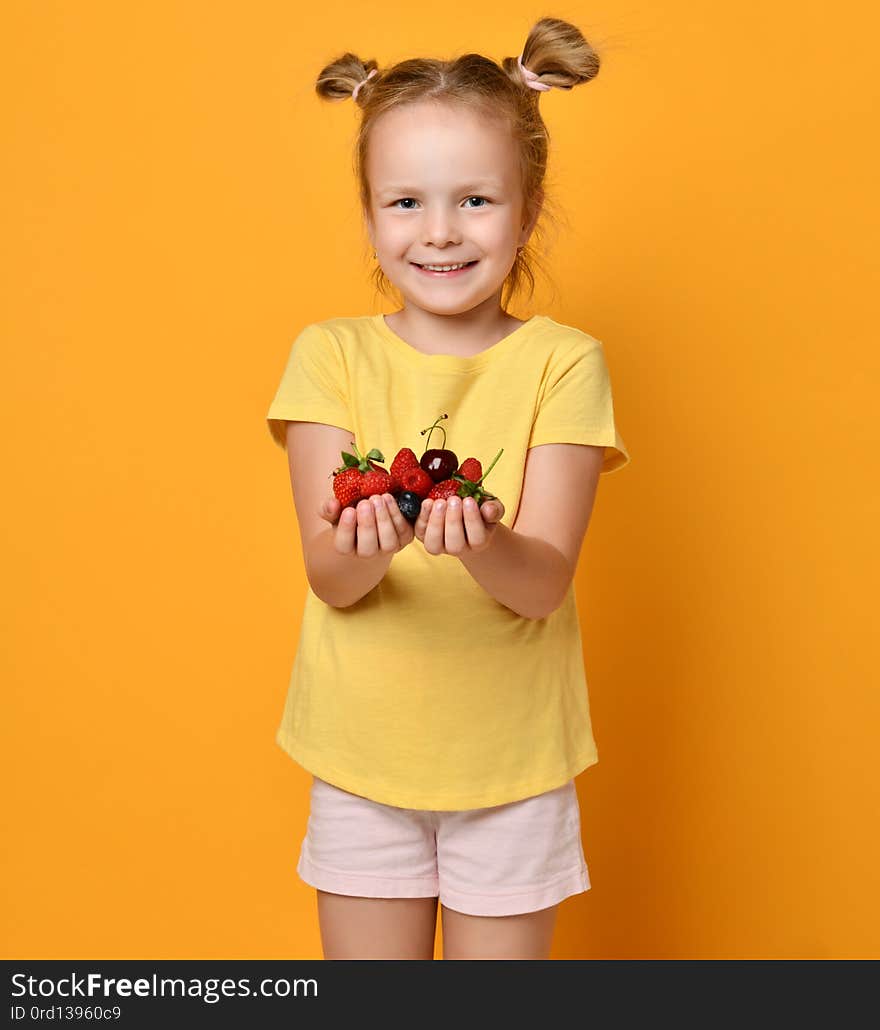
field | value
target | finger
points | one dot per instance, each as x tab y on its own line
387	534
474	527
454	541
434	531
344	538
401	525
421	523
367	540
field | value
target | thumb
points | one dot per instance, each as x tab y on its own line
493	511
327	509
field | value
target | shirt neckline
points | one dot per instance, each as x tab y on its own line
452	362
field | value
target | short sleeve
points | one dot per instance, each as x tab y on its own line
576	405
313	386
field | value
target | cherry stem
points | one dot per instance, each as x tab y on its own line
432	428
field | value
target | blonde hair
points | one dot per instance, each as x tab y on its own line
554	50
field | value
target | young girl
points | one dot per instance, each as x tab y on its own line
438	694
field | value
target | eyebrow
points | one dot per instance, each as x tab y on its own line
474	184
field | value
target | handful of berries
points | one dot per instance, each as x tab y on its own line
436	474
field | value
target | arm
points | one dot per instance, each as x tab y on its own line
525	573
529	568
313	450
341	580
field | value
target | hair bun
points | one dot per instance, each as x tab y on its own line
356	89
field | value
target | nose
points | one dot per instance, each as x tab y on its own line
439	228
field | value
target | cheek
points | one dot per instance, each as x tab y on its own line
498	233
393	236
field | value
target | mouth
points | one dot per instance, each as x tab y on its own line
448	274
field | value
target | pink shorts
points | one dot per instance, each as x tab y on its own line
497	861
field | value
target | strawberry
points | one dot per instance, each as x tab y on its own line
359	474
347	486
405	459
378	481
445	488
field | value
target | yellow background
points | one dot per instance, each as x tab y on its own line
178	203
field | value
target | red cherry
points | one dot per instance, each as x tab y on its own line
439	463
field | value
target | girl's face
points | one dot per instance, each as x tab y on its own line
445	189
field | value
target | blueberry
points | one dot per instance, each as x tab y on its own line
410	505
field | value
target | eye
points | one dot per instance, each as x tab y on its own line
403	199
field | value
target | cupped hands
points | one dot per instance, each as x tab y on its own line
454	526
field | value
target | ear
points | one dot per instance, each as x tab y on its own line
529	228
368	225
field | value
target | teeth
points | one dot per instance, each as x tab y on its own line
445	268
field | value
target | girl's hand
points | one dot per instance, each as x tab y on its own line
456	529
375	526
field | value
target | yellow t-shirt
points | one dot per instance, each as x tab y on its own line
428	693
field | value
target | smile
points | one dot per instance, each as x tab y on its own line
444	271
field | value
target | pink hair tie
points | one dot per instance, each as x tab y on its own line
354	92
531	77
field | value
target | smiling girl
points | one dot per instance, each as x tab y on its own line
438	694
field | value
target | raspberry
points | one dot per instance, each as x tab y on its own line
472	485
416	481
471	469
